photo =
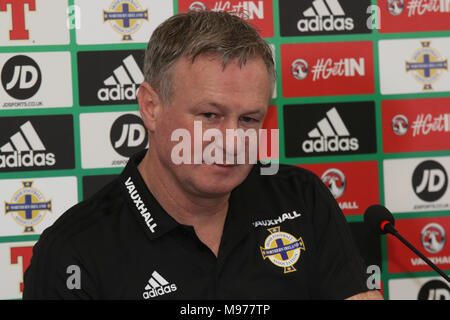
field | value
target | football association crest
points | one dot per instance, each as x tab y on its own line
28	206
427	65
125	17
282	249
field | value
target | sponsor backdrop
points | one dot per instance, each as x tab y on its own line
362	100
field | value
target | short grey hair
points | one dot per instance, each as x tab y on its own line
193	33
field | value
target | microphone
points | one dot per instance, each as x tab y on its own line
381	221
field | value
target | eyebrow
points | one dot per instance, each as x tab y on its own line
224	107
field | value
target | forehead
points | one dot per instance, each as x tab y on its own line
207	75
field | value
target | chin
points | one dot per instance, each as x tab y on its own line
220	180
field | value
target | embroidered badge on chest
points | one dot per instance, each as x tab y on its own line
282	249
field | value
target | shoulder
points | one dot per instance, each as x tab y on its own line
287	180
282	174
289	189
88	216
73	240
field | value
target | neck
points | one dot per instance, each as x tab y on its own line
206	214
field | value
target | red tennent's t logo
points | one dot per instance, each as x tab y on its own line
26	254
18	31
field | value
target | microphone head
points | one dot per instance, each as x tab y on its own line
376	216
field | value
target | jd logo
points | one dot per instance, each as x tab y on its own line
429	180
434	290
21	77
128	135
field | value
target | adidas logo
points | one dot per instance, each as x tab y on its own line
331	135
157	286
25	149
124	83
325	15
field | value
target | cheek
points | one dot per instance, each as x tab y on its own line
165	128
182	131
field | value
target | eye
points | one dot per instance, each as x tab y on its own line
248	119
209	115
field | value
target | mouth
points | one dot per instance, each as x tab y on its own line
221	166
225	165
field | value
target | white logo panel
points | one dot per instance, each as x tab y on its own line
35	80
109	139
34	22
417	184
414	65
31	205
120	21
429	288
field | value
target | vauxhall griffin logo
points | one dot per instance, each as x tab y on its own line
128	135
299	69
433	237
400	125
331	135
197	6
395	7
335	180
429	181
21	77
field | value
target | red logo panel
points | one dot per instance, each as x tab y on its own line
354	185
414	15
416	125
429	235
258	13
322	69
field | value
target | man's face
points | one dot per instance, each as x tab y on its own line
231	98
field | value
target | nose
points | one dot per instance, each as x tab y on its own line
237	141
227	140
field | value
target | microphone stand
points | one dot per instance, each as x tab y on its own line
390	229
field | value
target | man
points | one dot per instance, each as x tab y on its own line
208	229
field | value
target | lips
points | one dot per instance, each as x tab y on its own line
226	165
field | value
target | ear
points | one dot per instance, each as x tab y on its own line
149	105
